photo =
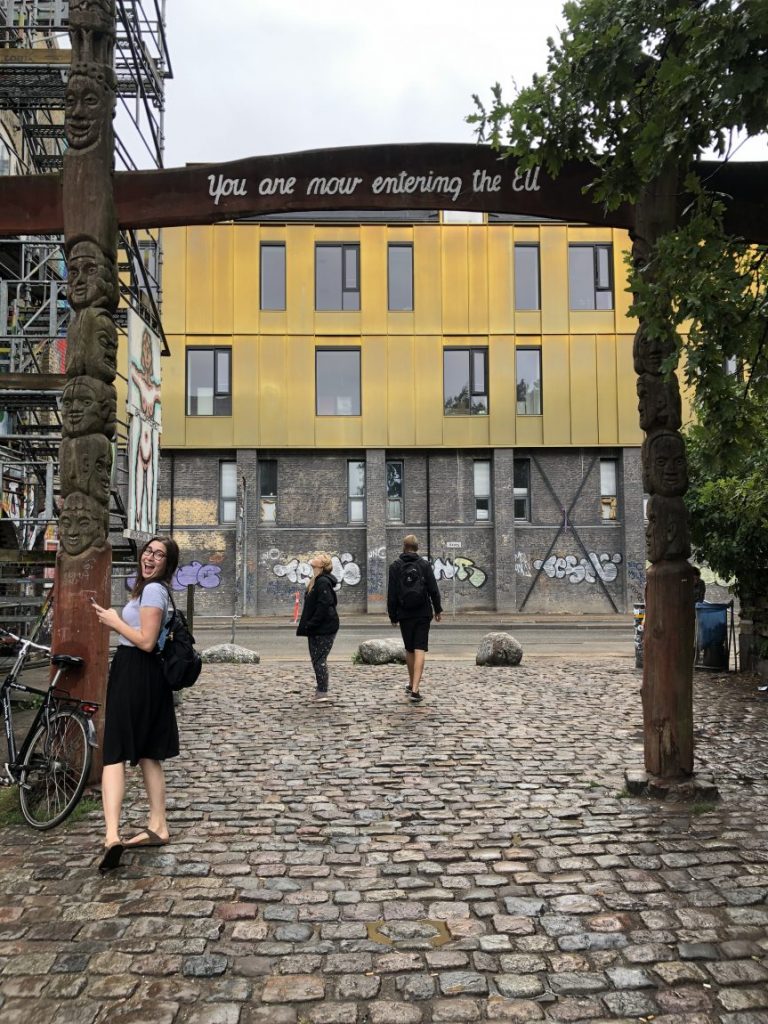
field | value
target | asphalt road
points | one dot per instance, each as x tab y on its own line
447	640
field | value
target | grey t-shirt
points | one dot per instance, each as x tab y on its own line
154	595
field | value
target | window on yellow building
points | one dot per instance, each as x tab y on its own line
400	277
209	389
356	491
608	489
227	492
528	381
527	277
272	276
522	490
395	492
337	277
267	490
465	381
462	217
589	276
337	381
482	485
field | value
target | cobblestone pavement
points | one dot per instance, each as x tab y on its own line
365	861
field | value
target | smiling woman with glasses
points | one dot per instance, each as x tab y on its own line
140	722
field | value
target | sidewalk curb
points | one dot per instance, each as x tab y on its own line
617	622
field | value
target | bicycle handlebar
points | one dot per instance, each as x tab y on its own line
26	643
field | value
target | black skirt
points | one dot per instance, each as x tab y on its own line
139	720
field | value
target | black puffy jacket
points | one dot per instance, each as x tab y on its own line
319	616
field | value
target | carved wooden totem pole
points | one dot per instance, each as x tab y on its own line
89	403
669	622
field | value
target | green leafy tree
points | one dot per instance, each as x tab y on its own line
634	84
729	515
640	89
725	304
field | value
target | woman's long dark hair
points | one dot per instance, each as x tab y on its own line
171	564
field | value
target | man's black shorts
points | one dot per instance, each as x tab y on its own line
415	634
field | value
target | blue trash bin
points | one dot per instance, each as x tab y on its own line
712	635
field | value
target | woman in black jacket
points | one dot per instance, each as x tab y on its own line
319	620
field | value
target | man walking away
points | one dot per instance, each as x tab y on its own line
412	594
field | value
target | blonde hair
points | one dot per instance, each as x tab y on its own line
327	565
410	543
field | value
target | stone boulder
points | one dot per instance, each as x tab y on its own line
380	652
499	649
231	654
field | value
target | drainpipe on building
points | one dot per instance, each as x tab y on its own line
429	517
173	480
244	536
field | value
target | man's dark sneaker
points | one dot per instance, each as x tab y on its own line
408	688
416	698
321	696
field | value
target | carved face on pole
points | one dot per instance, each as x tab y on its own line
85	464
82	524
648	352
92	278
88	406
97	15
664	467
88	106
658	403
666	535
92	345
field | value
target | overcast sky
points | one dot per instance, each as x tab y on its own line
273	76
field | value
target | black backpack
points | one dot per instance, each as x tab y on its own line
412	590
175	648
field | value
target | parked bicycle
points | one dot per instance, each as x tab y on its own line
51	767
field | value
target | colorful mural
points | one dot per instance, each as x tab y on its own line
145	426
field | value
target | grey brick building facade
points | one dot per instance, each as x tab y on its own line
564	555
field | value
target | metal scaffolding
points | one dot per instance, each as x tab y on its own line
34	60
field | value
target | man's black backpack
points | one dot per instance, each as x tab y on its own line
181	662
412	590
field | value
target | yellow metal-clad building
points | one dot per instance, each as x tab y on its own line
339	381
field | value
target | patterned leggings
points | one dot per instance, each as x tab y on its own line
319	649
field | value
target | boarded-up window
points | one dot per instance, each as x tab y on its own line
608	492
394	492
356	491
227	492
482	481
268	490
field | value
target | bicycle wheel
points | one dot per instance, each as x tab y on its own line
55	770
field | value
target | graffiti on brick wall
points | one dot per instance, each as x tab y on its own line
297	569
581	570
207	576
461	569
376	571
636	577
522	564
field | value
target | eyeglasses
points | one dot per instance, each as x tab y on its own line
154	555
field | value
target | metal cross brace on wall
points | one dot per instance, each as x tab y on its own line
567	523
